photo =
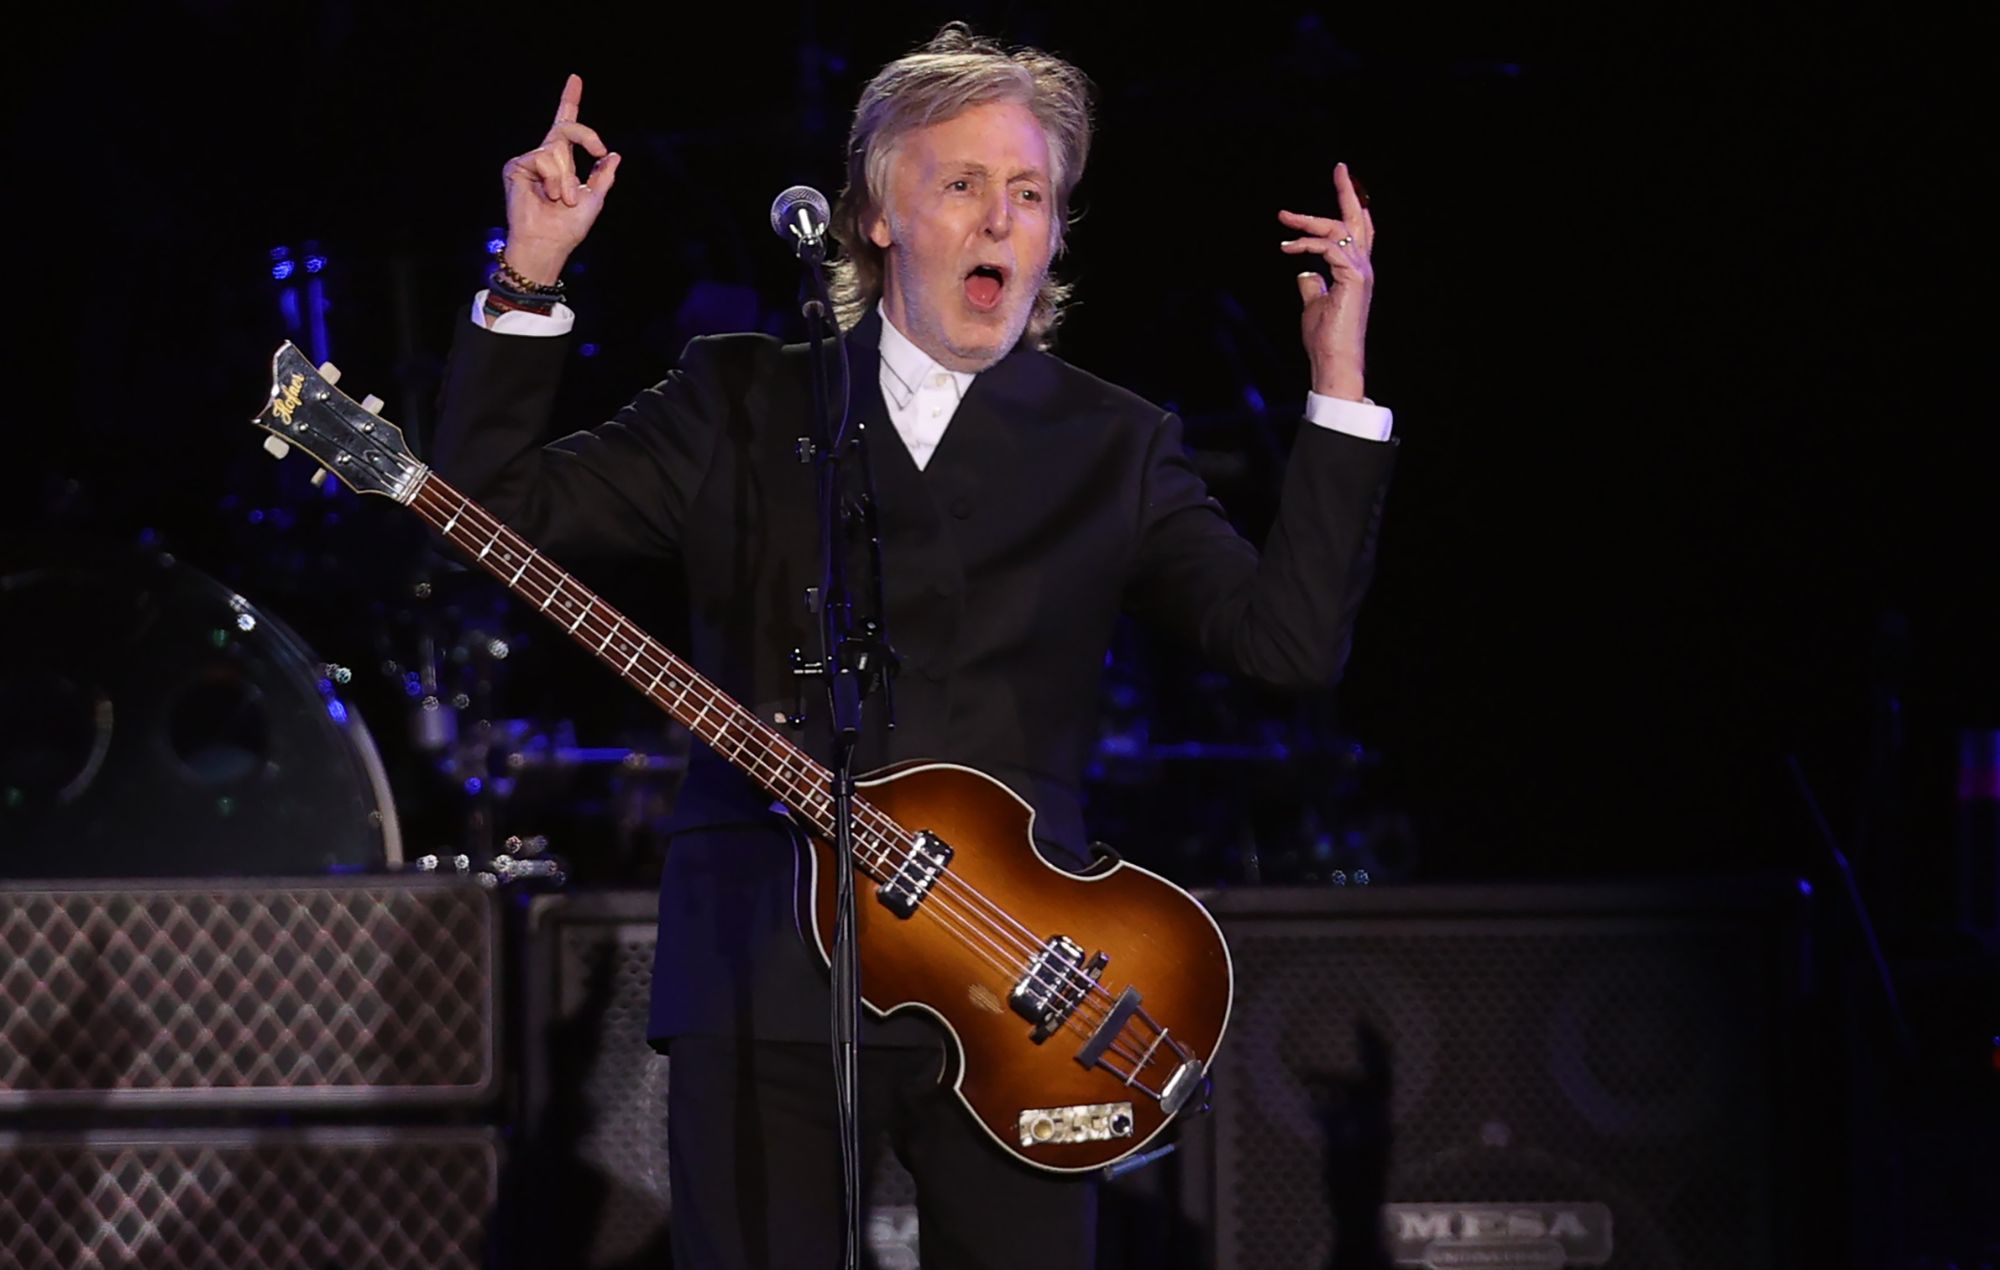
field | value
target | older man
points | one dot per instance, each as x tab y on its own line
1023	505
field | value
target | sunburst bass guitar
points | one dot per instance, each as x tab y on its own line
1086	1010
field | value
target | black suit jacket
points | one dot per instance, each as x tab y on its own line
1054	501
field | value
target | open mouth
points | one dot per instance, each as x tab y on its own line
983	287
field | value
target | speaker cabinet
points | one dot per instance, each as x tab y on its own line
315	994
1459	1076
208	1199
596	1109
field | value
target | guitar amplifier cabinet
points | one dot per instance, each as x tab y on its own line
1505	1075
595	1132
327	1199
361	992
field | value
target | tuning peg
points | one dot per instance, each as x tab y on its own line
372	404
329	372
277	446
319	478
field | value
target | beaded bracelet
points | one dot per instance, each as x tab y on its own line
500	286
522	286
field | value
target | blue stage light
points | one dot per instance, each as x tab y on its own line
494	246
472	784
282	270
337	712
587	350
315	263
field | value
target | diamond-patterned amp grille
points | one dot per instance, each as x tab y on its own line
350	992
215	1201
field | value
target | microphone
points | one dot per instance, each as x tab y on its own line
799	216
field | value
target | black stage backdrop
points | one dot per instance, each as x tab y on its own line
1679	315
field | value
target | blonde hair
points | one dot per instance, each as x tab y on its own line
951	74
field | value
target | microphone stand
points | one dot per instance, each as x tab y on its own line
850	665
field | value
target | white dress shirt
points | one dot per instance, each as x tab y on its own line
922	396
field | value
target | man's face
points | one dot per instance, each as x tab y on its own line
968	228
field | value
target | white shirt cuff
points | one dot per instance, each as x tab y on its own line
1362	418
520	322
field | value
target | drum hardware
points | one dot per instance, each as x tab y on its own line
522	861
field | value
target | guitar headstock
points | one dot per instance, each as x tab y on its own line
348	438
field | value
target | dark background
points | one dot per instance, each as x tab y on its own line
1677	316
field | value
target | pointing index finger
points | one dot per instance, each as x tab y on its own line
572	100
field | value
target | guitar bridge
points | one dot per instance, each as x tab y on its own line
913	879
1146	1044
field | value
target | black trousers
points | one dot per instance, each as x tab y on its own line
755	1166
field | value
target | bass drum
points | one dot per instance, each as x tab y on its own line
155	724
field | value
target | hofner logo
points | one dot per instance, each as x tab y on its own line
1498	1236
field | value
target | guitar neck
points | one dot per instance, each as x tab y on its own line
762	752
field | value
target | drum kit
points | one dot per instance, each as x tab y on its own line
154	722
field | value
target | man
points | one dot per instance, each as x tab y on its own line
1022	505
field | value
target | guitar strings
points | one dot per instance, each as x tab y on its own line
639	646
948	884
733	712
965	928
784	774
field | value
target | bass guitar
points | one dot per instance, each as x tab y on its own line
1085	1010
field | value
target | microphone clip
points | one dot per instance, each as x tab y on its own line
800	216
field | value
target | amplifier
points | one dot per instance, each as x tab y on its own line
323	993
596	1117
1503	1075
328	1199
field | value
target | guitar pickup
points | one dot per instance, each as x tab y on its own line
913	879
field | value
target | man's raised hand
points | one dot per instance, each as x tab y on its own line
549	210
1334	324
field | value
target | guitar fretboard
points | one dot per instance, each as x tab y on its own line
716	719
